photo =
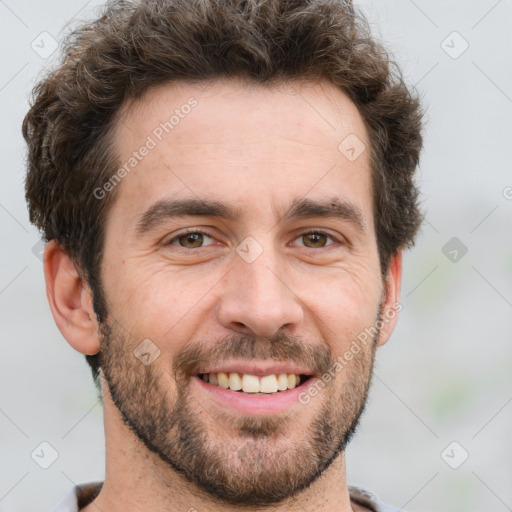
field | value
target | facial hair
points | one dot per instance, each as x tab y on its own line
260	465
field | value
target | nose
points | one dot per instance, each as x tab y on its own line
257	299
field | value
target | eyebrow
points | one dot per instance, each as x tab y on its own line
334	208
167	209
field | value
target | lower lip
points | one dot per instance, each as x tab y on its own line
274	403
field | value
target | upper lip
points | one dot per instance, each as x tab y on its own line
256	368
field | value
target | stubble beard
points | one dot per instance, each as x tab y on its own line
257	462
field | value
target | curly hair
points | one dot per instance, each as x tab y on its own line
135	45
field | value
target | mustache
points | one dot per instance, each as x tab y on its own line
280	347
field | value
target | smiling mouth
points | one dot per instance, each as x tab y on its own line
254	384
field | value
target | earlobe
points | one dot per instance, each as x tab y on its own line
70	301
391	298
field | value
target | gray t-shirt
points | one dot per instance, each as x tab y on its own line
81	495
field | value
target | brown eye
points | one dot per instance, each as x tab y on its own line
315	239
191	240
194	239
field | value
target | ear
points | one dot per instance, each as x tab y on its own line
390	298
70	300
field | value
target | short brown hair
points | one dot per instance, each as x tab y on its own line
136	45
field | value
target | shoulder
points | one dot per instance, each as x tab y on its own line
78	497
368	501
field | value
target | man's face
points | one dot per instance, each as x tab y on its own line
250	293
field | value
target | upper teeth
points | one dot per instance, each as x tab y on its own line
253	383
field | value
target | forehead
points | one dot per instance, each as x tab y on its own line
238	142
316	111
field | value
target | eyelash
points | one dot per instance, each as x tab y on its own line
196	231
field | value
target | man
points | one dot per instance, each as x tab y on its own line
226	189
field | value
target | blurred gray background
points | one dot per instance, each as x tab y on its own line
437	431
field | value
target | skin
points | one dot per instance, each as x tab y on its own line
258	148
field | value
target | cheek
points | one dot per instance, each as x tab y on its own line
157	302
341	307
